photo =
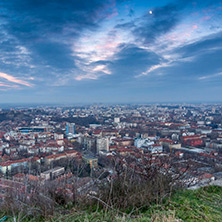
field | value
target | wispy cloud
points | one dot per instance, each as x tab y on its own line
86	76
210	76
93	73
170	60
93	52
8	86
155	67
14	79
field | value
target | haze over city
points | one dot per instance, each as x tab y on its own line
110	51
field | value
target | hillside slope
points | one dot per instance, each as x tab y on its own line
204	204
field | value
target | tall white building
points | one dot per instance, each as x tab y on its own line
102	144
116	120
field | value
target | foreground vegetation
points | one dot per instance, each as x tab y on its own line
204	204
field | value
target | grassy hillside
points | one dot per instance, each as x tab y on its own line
204	204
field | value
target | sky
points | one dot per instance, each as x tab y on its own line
110	51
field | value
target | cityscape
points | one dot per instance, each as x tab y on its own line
111	111
74	147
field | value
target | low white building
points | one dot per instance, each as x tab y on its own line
53	173
143	143
155	148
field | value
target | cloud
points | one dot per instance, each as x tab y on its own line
210	76
55	55
126	61
41	34
155	67
151	26
131	12
5	86
132	60
152	36
86	76
48	19
206	44
14	79
161	21
93	71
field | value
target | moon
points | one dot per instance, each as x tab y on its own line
150	12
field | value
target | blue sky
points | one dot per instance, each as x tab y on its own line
110	51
